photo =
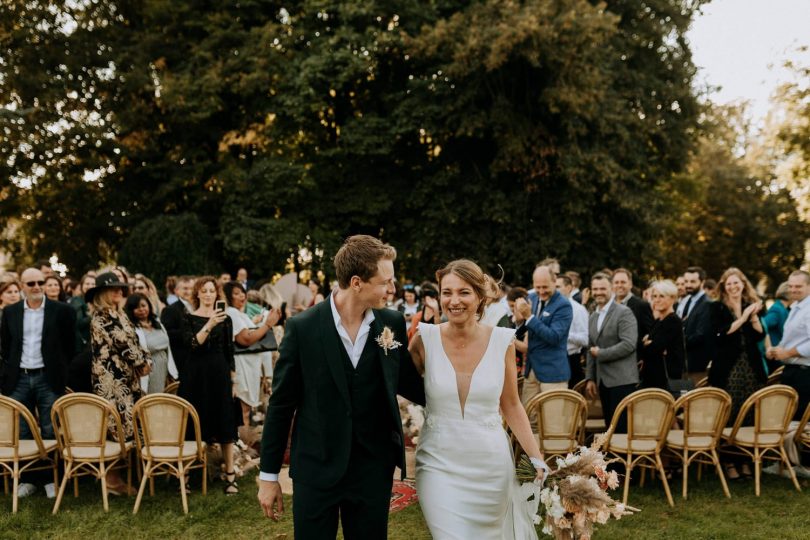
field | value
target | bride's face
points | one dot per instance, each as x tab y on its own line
458	299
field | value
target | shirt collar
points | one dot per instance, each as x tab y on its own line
607	306
26	307
367	320
801	305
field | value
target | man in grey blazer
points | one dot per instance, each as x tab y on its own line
612	337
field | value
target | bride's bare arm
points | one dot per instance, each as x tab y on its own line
417	350
513	411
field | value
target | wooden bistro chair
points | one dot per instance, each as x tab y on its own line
595	421
802	438
80	422
773	408
20	456
560	421
172	388
649	416
705	413
160	433
702	383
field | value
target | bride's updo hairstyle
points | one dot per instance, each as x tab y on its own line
472	274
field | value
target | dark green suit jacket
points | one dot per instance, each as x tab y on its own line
310	385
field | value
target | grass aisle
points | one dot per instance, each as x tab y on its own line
780	513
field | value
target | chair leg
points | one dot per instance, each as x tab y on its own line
75	486
628	470
151	486
63	485
205	474
144	478
685	465
716	460
789	467
659	464
103	474
757	467
15	485
643	477
183	494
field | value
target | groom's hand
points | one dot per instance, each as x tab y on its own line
271	500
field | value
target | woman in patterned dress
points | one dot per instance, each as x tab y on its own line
118	359
738	366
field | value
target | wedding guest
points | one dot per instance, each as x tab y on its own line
774	320
611	361
247	332
623	294
44	266
662	350
53	289
207	381
171	283
548	316
224	277
152	338
578	334
576	281
272	299
36	343
316	289
680	283
172	319
430	312
697	324
118	360
710	288
410	304
9	293
143	285
77	302
737	366
521	330
794	348
496	313
242	277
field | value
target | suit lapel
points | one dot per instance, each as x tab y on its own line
608	315
331	349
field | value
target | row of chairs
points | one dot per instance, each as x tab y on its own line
81	424
700	433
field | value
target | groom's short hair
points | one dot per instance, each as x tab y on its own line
360	256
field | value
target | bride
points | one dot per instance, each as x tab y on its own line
465	474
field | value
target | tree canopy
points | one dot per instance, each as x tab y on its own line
500	130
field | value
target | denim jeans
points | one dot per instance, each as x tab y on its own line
33	390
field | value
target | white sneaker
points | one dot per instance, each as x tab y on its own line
50	490
25	489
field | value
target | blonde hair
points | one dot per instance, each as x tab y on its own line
665	287
102	300
470	273
749	293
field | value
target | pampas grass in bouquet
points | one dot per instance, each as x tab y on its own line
575	494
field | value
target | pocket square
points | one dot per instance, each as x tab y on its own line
546	314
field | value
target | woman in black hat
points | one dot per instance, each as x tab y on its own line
118	359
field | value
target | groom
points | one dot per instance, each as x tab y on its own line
339	383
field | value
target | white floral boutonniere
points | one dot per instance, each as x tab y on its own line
386	340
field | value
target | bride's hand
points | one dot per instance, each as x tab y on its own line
541	468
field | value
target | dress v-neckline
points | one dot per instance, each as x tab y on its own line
455	373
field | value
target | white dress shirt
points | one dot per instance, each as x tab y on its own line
797	332
354	350
33	321
600	318
578	333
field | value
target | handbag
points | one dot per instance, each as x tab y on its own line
677	387
267	343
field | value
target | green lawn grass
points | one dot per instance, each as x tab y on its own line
780	513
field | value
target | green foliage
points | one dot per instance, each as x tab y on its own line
502	131
167	245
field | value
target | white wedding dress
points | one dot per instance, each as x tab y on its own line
465	474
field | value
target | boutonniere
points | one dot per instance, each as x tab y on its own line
386	340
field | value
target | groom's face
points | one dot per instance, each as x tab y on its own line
374	292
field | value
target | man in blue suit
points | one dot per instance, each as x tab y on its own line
548	316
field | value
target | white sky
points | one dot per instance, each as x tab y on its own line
741	45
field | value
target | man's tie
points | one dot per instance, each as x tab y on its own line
685	313
541	305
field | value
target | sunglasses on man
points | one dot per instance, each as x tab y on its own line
35	283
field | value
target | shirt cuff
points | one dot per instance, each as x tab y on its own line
268	477
530	318
803	350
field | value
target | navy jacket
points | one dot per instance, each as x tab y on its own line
548	339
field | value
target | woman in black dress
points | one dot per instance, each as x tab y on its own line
662	350
737	365
206	380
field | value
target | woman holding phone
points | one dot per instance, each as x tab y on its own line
207	376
